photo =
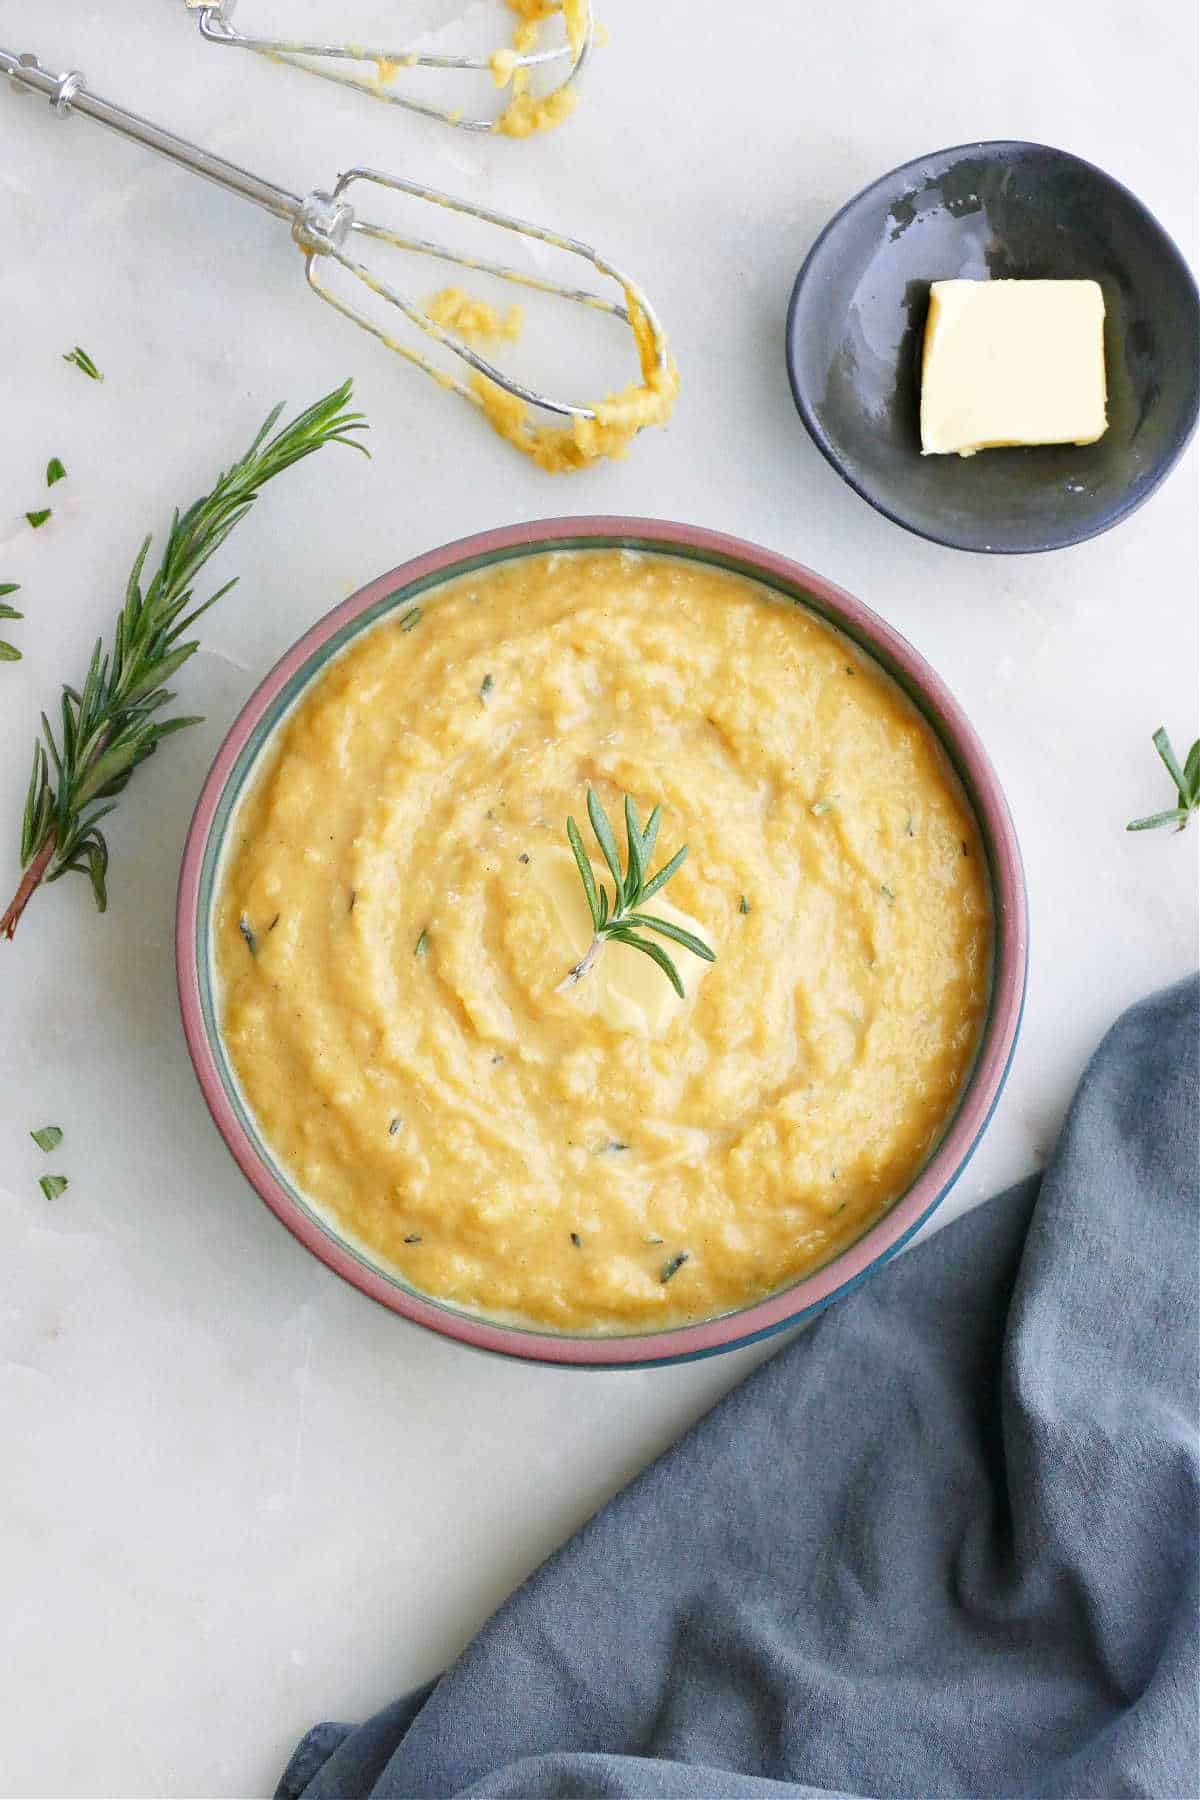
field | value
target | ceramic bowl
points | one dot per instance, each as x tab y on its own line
857	319
390	593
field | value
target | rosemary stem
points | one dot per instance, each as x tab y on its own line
31	880
582	967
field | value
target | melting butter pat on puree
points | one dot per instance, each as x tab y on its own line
398	906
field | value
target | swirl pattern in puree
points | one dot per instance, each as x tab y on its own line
397	908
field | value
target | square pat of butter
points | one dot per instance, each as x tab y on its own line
1012	362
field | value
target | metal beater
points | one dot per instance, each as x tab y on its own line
326	226
330	60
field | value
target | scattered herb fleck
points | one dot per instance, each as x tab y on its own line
850	670
485	688
744	905
654	1240
820	806
47	1137
887	893
39	517
524	857
908	828
411	618
1187	785
353	898
251	940
421	945
577	1240
414	1237
395	1125
612	1147
52	1185
54	472
274	923
966	851
83	361
497	1059
673	1267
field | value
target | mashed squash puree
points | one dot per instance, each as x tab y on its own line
398	908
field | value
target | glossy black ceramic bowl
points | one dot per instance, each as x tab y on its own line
994	210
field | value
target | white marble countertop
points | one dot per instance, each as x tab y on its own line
237	1496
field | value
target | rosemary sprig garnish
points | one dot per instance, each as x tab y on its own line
109	725
615	921
1187	785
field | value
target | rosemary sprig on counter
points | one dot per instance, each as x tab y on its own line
1187	785
619	921
109	725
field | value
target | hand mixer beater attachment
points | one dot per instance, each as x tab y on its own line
329	230
347	63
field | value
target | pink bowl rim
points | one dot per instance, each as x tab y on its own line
887	1236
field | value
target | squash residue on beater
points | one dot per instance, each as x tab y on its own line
455	310
619	417
527	113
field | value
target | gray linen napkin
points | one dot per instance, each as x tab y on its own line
943	1544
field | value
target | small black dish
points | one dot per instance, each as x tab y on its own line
857	319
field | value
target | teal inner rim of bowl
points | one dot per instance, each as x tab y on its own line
310	670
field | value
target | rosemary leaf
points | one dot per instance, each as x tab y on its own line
1175	815
623	935
9	587
673	1266
585	871
678	935
9	652
83	361
606	841
109	724
665	873
47	1137
635	873
411	618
